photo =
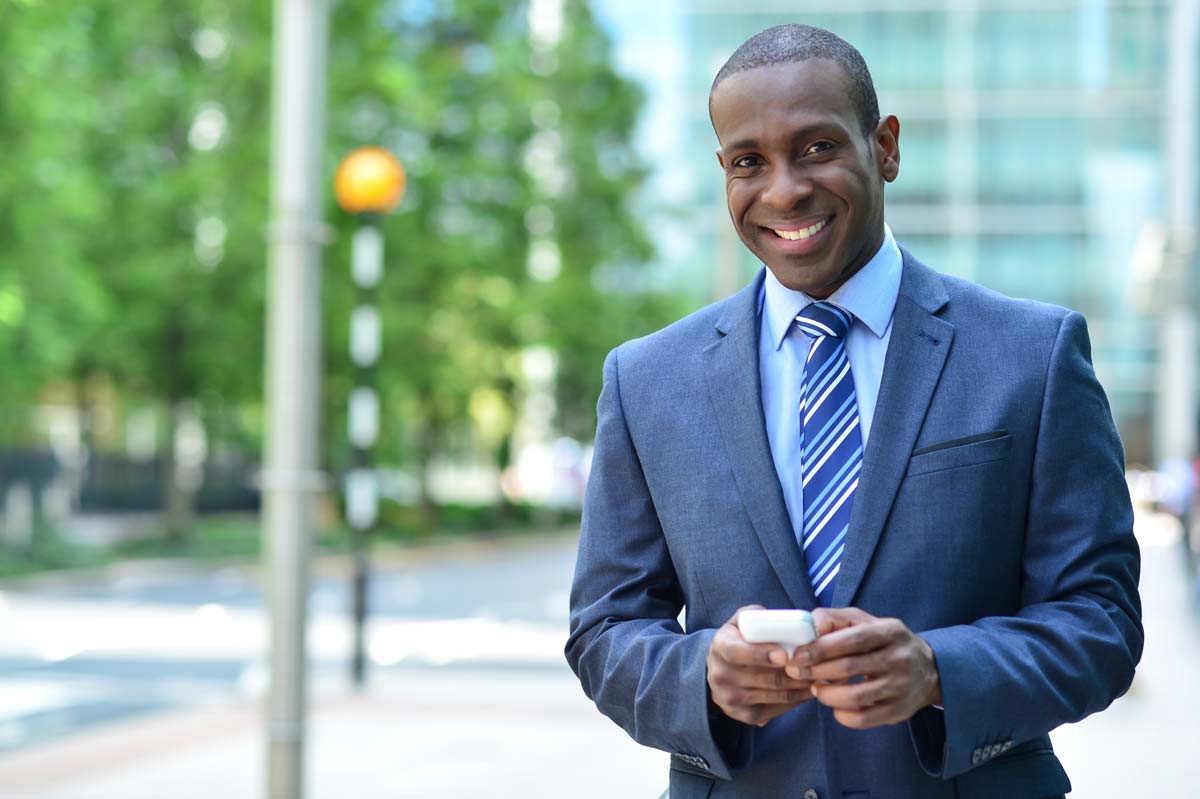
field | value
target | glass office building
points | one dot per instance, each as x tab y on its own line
1031	142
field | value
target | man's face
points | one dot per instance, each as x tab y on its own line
804	186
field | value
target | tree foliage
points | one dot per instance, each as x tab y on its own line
133	210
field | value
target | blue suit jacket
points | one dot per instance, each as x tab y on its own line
992	517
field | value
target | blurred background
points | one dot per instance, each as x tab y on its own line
560	196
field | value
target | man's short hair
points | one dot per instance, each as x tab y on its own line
790	44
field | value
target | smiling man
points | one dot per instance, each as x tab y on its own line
804	179
930	467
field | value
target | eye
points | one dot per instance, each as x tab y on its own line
746	162
818	147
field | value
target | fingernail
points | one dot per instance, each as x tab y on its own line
793	672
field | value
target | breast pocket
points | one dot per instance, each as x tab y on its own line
955	517
940	458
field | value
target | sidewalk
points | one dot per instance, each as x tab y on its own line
528	732
427	734
1146	744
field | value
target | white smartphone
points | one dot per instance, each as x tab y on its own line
788	628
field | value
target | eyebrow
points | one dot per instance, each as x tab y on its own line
744	144
802	133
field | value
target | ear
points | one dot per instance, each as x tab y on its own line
885	140
720	158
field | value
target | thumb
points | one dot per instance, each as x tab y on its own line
826	620
734	618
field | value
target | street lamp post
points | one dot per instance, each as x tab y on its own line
369	183
291	479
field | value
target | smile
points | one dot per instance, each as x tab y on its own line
802	233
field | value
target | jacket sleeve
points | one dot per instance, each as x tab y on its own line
626	644
1072	648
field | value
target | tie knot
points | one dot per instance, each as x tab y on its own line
824	319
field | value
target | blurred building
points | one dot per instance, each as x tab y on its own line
1033	151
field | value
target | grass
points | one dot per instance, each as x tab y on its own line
212	538
47	551
232	537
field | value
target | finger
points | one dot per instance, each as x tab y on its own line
734	618
873	664
759	696
827	620
757	715
798	672
856	640
733	647
727	678
729	645
776	656
737	652
857	695
770	678
800	659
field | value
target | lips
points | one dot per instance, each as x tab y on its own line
799	238
799	233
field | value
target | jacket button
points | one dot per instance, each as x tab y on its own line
810	793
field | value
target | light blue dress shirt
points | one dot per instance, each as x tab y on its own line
871	296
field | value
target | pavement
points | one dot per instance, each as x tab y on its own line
430	735
1146	743
468	691
524	729
90	647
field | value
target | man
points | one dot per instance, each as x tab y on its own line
930	466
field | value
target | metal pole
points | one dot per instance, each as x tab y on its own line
362	574
362	482
962	123
1179	383
291	480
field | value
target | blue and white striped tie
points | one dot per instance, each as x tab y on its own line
830	445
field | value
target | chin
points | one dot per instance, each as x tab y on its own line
790	279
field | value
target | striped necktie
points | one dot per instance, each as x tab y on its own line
830	445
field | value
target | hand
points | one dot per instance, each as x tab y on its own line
870	671
747	681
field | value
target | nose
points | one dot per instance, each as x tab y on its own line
787	186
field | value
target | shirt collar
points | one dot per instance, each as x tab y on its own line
870	294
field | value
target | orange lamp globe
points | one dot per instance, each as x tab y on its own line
369	180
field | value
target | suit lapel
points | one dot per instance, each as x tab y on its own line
735	390
916	354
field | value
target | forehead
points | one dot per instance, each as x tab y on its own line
779	97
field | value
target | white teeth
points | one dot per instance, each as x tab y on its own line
803	233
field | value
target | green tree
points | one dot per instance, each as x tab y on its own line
133	213
144	128
522	168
